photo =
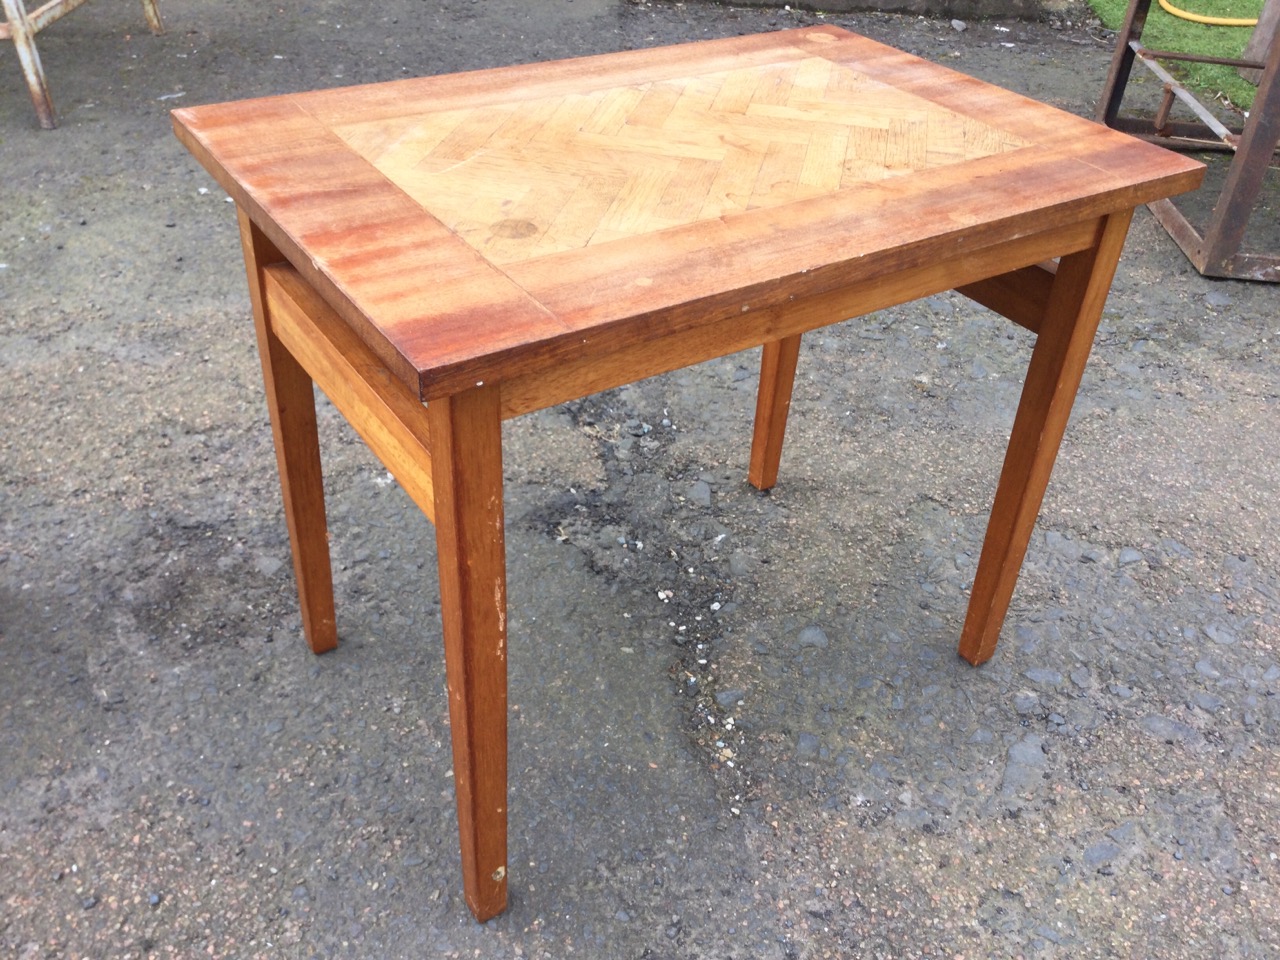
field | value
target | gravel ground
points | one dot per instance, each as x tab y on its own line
780	756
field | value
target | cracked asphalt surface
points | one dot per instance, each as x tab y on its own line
738	725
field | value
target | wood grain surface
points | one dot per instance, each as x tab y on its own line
474	226
524	179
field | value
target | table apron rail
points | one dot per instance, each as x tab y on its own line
390	419
1012	278
1006	277
1021	295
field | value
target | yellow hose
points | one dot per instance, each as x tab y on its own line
1211	21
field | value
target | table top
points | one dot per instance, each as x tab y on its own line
470	226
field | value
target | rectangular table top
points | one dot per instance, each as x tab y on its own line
472	226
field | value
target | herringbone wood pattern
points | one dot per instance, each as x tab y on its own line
535	177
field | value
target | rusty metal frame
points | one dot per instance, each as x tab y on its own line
1216	252
21	26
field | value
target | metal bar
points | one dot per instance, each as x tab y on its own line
1180	229
1179	133
1122	63
21	26
1181	92
1162	114
1198	58
1260	39
153	16
1216	253
41	17
1225	231
23	34
1253	266
1242	266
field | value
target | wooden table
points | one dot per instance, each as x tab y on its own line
497	242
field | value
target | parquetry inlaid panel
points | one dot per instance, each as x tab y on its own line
535	177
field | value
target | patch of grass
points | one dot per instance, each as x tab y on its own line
1167	32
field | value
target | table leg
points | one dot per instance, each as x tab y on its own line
466	460
777	377
292	404
153	16
24	42
1065	336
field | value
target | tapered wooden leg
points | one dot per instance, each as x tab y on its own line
466	458
291	402
1071	318
777	377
